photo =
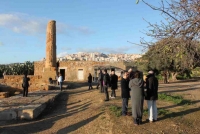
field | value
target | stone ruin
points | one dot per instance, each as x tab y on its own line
13	83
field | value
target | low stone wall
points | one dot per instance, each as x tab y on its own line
13	83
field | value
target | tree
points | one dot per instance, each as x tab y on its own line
167	55
182	19
182	22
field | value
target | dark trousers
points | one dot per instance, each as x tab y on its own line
124	106
113	94
90	85
101	86
25	92
102	89
61	83
165	80
106	92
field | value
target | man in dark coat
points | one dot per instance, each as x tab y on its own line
106	83
152	95
113	83
100	81
90	81
25	85
125	92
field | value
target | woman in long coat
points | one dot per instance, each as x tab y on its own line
137	97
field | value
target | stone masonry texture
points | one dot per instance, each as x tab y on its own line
51	44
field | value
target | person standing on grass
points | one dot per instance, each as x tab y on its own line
90	81
137	97
25	85
113	83
60	80
100	81
125	92
106	83
152	96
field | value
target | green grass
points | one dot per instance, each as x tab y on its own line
116	110
145	112
163	112
160	112
177	99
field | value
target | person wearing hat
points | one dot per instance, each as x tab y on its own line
113	83
151	95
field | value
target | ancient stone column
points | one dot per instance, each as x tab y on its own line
51	45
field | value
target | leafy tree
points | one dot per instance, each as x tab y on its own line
172	55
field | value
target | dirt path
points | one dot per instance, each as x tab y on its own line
82	111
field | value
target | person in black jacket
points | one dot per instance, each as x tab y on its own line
151	95
113	83
90	81
106	83
25	85
125	92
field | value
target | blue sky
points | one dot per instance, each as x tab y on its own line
82	26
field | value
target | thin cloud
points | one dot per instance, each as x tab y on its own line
65	48
1	44
84	30
24	23
62	54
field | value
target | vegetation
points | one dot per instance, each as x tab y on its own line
177	99
160	111
116	110
172	58
175	47
17	68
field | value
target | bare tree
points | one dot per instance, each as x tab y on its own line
182	22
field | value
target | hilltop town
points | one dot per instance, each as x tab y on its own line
96	56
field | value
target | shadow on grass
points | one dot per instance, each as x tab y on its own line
181	113
172	106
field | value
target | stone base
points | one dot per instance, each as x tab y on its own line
18	107
49	73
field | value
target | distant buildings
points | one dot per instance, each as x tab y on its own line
81	56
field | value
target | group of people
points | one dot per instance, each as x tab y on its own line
133	86
105	81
